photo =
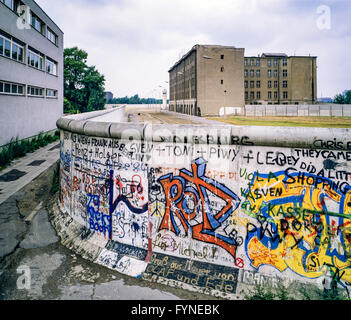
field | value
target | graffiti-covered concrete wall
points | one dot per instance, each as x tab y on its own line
215	209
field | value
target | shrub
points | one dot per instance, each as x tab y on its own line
16	149
55	179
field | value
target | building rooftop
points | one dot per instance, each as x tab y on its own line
195	47
274	55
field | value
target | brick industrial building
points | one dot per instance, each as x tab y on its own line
206	79
215	80
275	78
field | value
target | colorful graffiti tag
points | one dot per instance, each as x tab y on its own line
302	223
188	199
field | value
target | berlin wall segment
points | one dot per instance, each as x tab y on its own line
209	216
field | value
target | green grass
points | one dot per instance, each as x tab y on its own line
17	149
55	185
317	122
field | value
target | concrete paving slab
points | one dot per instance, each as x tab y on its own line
22	171
41	233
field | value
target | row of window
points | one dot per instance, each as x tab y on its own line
269	95
35	21
269	73
257	62
15	50
269	84
19	90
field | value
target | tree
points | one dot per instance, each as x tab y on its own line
134	100
83	84
343	98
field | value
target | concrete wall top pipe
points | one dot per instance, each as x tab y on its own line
211	133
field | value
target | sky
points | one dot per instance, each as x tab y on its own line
135	42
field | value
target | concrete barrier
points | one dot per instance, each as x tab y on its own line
300	110
212	208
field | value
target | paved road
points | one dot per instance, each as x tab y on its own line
157	116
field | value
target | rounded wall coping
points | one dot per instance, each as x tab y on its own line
209	133
92	114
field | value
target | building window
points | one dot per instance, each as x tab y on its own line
275	94
51	36
222	69
285	73
35	59
275	73
285	95
222	56
246	95
252	62
258	95
246	72
258	84
35	91
275	84
8	3
51	67
269	73
11	88
252	84
269	94
269	83
246	84
245	62
258	73
11	48
7	47
258	62
269	62
37	24
50	93
252	95
252	73
275	62
285	84
285	62
221	81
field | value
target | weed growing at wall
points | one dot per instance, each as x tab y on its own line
16	149
56	179
266	292
260	292
313	293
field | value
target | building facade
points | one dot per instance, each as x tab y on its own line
108	95
207	81
31	71
275	78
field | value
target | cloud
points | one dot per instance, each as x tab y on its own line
135	42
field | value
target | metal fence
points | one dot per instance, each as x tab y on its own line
305	110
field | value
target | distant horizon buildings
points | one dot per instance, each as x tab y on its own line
212	80
31	71
108	95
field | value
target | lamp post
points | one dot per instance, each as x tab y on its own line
167	94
